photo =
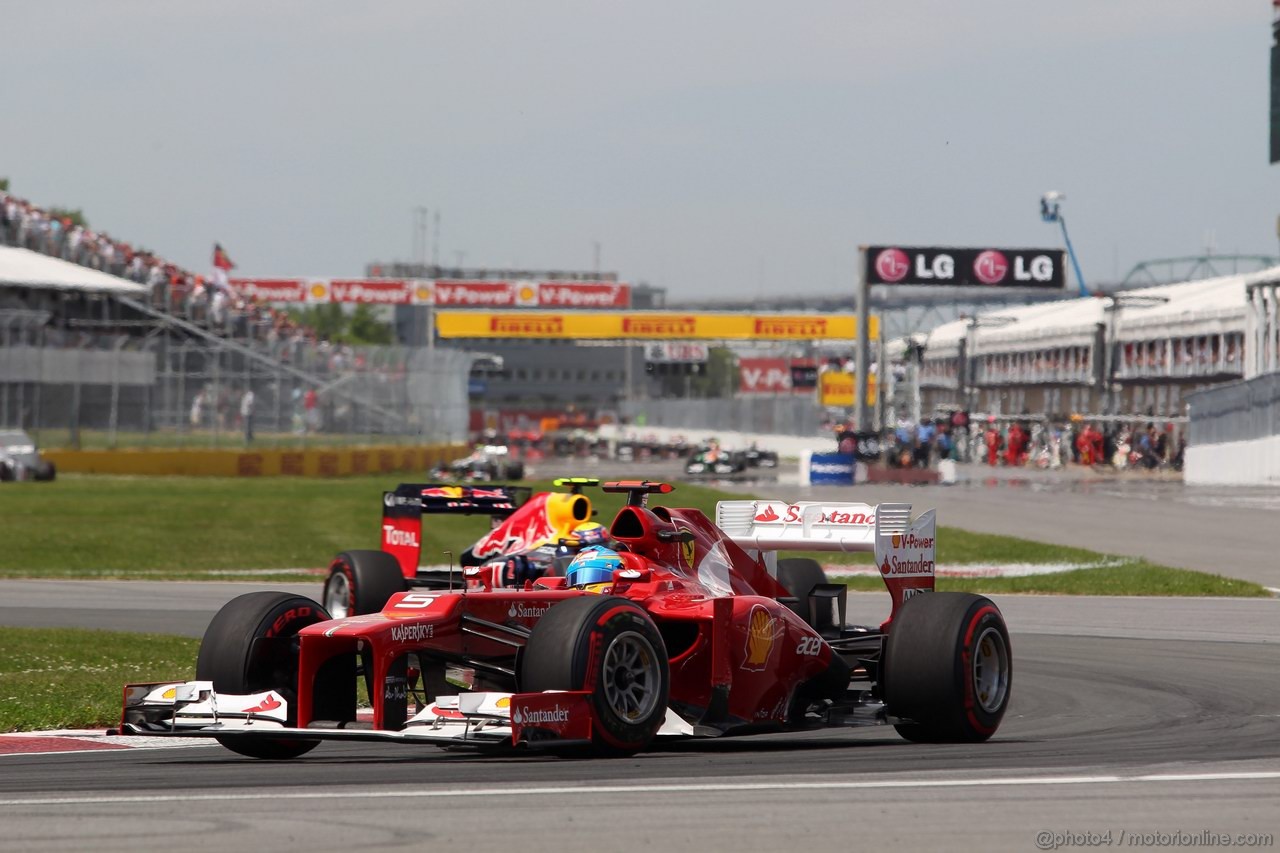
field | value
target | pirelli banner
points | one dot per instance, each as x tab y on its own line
668	325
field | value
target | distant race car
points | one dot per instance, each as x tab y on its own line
528	532
489	463
19	459
683	628
711	461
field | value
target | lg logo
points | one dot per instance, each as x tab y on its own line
990	267
892	265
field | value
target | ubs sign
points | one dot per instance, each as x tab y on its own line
1042	268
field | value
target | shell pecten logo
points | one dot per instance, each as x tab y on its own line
761	633
319	290
526	293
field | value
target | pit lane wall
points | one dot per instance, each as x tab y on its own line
1234	433
311	462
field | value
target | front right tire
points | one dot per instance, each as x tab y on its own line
610	647
249	648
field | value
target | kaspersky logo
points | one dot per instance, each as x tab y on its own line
523	715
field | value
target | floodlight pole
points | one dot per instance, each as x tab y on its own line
1050	211
862	412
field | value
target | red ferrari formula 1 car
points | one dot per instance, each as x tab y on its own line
678	627
523	542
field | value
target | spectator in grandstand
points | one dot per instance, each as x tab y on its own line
197	409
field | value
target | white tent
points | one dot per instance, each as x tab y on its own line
25	268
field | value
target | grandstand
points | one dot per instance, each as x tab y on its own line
96	335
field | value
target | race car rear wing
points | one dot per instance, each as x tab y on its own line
904	548
444	498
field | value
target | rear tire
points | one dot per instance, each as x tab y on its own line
46	470
948	668
800	575
610	647
362	582
229	659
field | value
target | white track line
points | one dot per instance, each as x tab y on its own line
712	787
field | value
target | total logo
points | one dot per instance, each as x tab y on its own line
519	610
392	536
526	716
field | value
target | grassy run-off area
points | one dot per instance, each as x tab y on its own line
53	678
224	529
201	528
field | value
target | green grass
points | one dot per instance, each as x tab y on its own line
52	678
205	528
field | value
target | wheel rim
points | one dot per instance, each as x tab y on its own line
632	677
990	670
337	595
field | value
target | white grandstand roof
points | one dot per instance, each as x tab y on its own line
25	268
1204	307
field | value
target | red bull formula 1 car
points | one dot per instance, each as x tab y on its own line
525	540
678	627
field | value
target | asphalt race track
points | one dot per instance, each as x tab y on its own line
1154	720
1134	715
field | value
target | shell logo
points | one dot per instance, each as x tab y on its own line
761	632
422	293
319	290
526	293
897	540
504	702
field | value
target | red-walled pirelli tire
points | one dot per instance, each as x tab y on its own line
948	668
361	582
229	659
610	647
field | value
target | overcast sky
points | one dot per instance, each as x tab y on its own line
727	148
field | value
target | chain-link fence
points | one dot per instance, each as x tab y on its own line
1241	411
127	390
778	415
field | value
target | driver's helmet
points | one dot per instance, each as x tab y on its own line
594	565
591	533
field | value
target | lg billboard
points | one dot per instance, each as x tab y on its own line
932	265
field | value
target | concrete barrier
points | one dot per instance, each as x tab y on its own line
311	462
1255	462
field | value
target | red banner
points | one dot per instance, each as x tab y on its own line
775	375
271	289
583	294
371	291
479	294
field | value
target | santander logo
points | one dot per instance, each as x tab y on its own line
990	267
892	265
